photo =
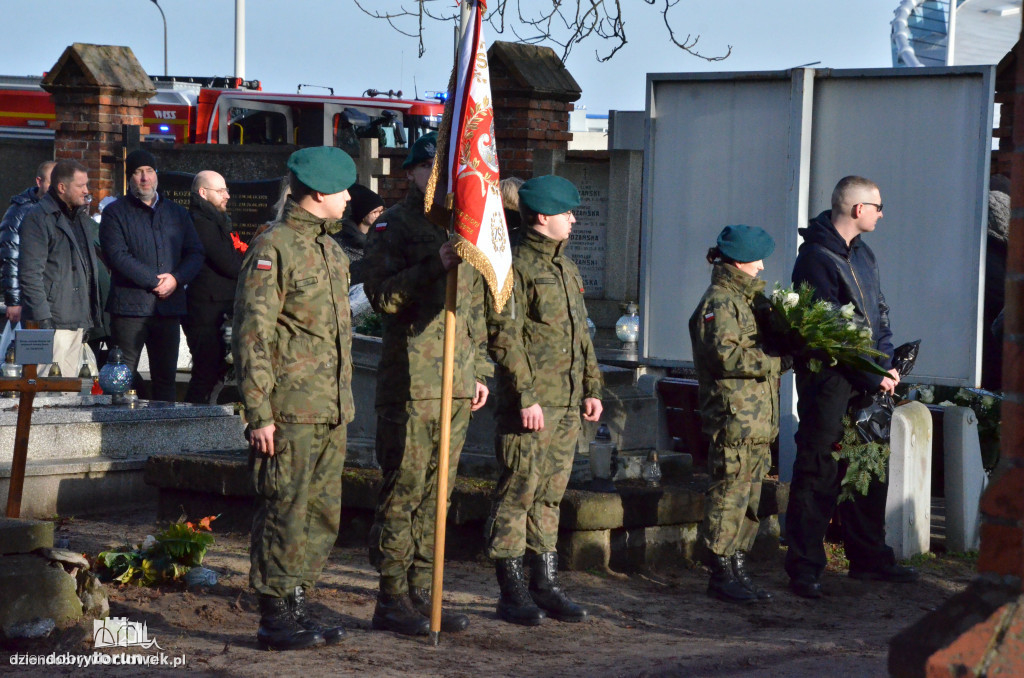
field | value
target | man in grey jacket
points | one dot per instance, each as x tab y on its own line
57	266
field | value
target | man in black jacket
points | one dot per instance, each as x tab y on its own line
211	295
10	238
153	251
841	267
58	272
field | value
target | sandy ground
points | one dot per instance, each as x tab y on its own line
651	624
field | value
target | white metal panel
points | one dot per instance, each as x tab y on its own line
733	148
717	154
924	138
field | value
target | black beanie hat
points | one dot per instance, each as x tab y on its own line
138	158
363	201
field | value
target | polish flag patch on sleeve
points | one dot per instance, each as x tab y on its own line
264	264
708	317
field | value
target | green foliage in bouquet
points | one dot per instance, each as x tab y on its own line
372	326
865	461
166	557
821	333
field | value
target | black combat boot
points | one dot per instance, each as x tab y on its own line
331	634
546	592
724	585
739	568
451	622
395	612
515	604
279	630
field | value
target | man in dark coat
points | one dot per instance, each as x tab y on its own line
363	210
153	252
212	294
10	239
841	268
59	278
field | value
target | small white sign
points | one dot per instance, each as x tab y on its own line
33	347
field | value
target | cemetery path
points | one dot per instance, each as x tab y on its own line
643	625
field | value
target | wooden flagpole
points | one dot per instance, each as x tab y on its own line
447	377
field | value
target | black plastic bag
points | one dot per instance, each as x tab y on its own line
871	414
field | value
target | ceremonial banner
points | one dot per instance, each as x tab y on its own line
472	166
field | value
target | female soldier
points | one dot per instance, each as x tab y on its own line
739	405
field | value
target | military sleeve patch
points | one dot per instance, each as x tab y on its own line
708	317
380	225
264	264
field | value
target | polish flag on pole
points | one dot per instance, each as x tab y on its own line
472	165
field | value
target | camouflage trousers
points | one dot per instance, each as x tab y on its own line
298	509
535	467
408	437
730	508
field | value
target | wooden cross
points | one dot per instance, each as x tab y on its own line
370	165
27	385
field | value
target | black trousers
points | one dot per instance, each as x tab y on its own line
823	399
205	341
160	335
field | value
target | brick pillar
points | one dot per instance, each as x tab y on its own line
981	631
96	90
533	96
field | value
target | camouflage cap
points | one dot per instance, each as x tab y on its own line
549	195
425	148
324	169
744	244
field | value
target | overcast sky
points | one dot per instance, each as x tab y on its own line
331	43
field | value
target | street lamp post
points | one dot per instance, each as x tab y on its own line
165	32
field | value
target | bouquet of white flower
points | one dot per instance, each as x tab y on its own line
821	333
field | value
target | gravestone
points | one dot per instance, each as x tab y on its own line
588	242
908	505
250	206
965	478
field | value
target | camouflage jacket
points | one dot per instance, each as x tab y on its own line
292	329
540	340
738	381
405	282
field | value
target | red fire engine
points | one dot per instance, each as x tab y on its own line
189	110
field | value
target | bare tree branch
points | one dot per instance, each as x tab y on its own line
565	23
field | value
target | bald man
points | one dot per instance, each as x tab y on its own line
839	265
212	294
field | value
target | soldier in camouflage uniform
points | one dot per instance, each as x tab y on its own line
408	258
292	345
739	405
547	371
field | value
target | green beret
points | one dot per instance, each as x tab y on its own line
425	148
325	169
549	195
744	244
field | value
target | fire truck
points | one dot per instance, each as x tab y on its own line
215	110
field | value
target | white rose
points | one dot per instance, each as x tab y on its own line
847	310
865	333
987	401
148	543
946	403
851	327
925	394
791	300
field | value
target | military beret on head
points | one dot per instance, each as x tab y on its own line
549	195
425	148
744	244
325	169
138	158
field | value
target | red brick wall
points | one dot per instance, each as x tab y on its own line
1002	531
88	126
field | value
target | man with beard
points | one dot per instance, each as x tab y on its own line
59	288
212	294
153	251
